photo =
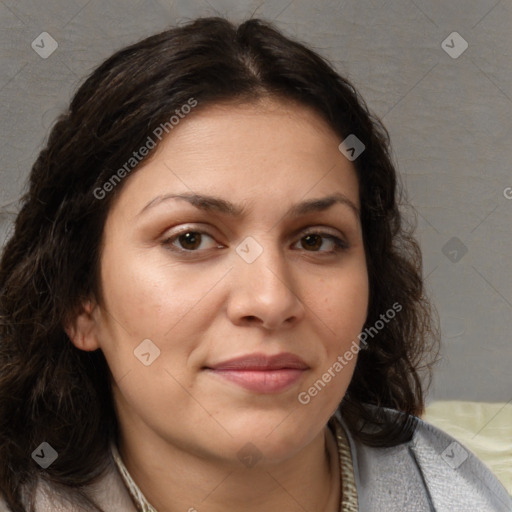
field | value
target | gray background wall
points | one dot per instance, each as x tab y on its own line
450	120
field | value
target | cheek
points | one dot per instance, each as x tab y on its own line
345	308
149	297
345	302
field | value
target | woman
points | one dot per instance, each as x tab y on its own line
210	302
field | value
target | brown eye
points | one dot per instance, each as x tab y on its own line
190	240
187	241
312	242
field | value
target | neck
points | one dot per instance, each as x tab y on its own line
175	480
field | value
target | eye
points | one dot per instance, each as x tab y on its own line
190	241
314	241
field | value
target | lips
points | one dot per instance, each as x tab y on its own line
262	362
260	373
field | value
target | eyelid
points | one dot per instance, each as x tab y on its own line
318	230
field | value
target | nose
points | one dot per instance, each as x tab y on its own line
264	292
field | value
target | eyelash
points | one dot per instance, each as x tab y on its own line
339	244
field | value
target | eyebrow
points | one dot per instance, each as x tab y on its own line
218	205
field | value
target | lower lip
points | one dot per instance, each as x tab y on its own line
262	381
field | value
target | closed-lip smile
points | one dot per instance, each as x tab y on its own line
261	373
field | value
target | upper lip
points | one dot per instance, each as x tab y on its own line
260	362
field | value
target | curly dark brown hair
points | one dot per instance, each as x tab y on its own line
50	390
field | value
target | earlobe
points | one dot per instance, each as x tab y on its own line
82	331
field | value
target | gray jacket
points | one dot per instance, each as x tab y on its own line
430	473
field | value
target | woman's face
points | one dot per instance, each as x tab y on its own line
251	267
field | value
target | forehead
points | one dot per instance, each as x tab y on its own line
268	124
270	150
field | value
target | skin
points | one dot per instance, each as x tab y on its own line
181	427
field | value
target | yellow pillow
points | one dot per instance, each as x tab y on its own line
484	428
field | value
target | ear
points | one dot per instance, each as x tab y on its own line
82	331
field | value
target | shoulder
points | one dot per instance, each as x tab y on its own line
454	474
107	492
430	472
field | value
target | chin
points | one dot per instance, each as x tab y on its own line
274	440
